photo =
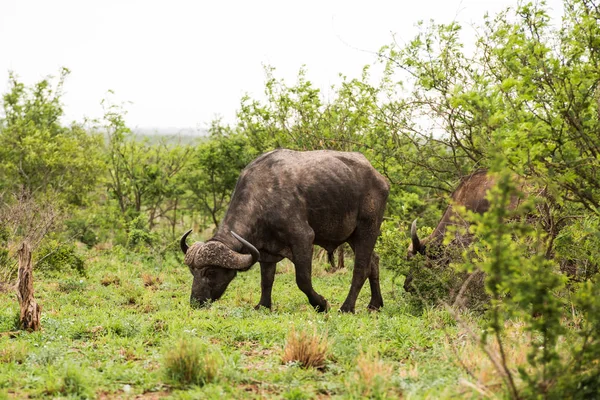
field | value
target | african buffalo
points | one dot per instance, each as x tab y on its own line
471	194
284	202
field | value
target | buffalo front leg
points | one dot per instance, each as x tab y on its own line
362	243
303	265
267	276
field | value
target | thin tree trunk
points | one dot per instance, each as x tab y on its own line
30	310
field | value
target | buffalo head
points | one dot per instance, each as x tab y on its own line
214	265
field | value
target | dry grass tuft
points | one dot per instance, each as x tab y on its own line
306	349
14	352
110	279
485	376
151	281
373	379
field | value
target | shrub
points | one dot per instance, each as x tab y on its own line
443	280
191	363
14	352
84	229
74	383
139	236
57	257
577	247
306	349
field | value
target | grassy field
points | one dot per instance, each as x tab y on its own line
120	331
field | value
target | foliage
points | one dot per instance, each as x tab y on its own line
142	177
214	168
525	100
578	246
59	258
191	363
38	154
528	93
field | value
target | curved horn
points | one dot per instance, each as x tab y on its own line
182	243
416	243
253	250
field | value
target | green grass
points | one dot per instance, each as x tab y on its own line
115	332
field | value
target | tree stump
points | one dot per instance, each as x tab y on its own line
30	310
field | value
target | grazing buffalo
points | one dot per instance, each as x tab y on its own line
284	202
471	194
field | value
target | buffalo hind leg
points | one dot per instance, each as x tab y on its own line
376	299
362	242
267	276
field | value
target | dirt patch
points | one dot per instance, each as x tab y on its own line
122	395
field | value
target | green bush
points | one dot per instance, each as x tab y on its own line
444	281
83	229
392	247
59	257
191	363
139	236
577	248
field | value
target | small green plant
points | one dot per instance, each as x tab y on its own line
46	355
75	383
72	285
296	394
191	362
13	353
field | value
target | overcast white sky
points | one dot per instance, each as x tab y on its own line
182	63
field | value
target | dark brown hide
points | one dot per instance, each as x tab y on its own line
285	202
470	193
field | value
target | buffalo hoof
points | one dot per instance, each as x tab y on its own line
259	306
197	304
323	309
346	309
373	308
375	305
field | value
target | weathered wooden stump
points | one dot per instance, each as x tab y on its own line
30	310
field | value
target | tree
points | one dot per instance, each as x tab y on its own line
38	155
142	177
214	168
528	94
